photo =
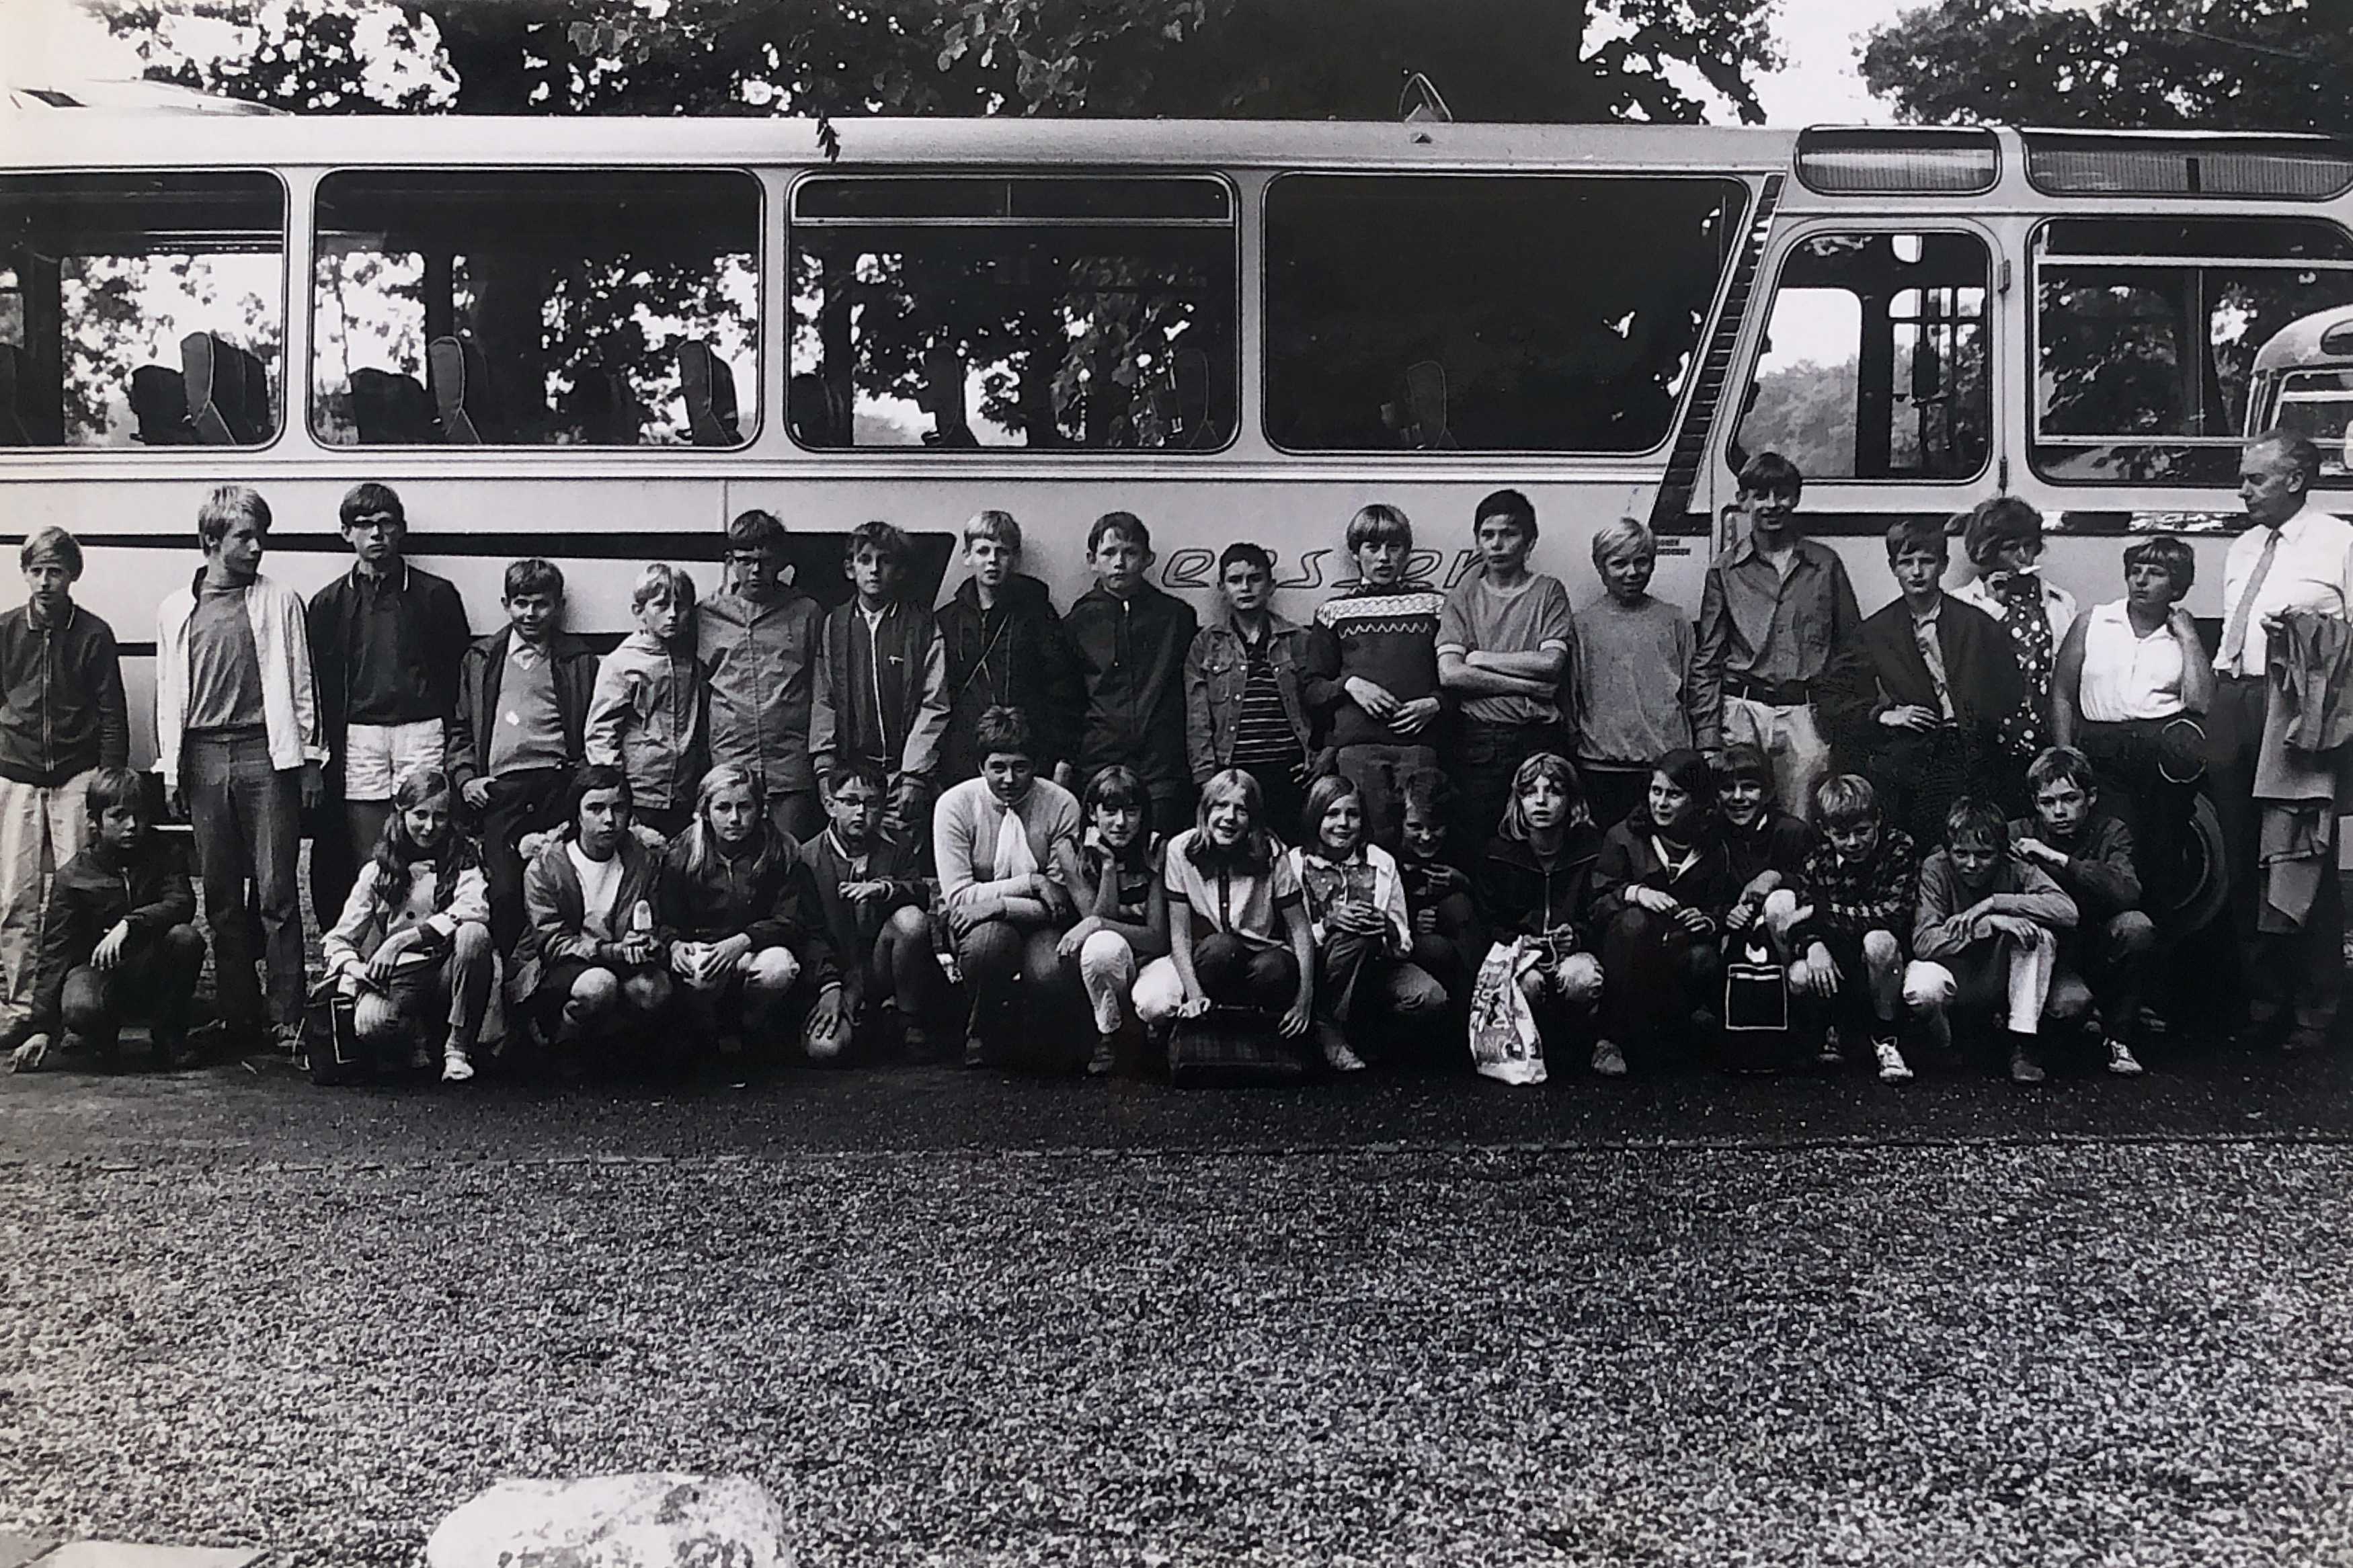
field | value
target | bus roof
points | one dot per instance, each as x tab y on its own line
2307	341
71	138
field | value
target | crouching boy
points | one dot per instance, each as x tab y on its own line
1852	909
1986	937
873	899
119	937
589	893
2089	853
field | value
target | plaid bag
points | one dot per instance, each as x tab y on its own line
1232	1048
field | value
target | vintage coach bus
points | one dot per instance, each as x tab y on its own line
598	339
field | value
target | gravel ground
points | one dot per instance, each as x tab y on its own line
2105	1352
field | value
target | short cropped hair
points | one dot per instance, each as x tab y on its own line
370	499
1510	505
662	581
2054	764
1002	728
882	538
755	531
1743	761
1973	819
2171	555
2302	456
227	506
592	778
2005	520
858	770
1000	526
1846	800
1379	523
1769	473
1623	536
1256	555
111	787
1428	791
1924	534
52	541
533	575
1125	523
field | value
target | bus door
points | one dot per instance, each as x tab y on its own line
1871	366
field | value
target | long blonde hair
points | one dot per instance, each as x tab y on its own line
702	841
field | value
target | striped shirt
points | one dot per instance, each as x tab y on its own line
1262	732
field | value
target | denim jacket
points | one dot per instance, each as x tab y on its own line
1216	671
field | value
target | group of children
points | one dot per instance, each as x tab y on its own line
881	827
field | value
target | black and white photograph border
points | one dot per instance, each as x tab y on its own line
2053	289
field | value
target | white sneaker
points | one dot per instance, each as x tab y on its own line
1609	1060
1892	1065
455	1068
1338	1055
2121	1061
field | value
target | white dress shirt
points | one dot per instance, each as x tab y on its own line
2312	570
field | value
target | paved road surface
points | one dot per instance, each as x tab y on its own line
967	1318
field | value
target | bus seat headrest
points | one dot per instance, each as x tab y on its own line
159	401
710	388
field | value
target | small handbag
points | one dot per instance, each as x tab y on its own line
1756	1010
331	1036
1232	1048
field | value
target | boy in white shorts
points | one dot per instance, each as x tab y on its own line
385	642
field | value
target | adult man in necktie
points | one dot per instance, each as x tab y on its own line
2294	558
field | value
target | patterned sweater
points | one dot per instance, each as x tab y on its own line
1848	899
1388	636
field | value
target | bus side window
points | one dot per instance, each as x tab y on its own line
2146	333
140	309
1488	314
1042	312
1874	360
543	307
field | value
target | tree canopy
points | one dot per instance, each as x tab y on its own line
2228	65
1546	61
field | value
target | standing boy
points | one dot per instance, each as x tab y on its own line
1987	935
2089	853
646	715
1776	618
62	716
385	640
237	742
1939	681
882	686
1373	667
759	643
1504	640
519	736
1245	691
1636	695
1004	648
1131	640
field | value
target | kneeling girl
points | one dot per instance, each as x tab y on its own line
413	948
1238	932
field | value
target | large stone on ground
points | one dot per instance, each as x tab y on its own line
615	1521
